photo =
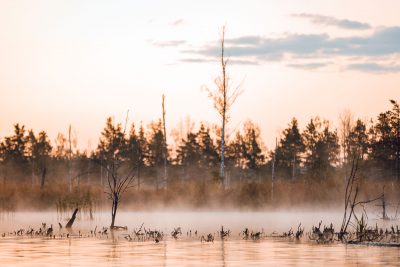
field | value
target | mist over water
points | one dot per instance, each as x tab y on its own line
115	250
206	221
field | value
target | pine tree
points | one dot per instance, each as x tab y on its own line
156	145
189	153
385	141
235	152
112	143
208	152
13	148
290	149
358	141
131	152
322	147
252	152
38	153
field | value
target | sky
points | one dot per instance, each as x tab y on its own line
77	62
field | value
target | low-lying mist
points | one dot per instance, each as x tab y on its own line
249	195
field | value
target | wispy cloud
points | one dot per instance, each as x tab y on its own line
308	66
177	22
332	21
374	67
197	60
231	61
170	43
243	62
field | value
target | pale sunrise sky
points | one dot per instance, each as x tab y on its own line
77	62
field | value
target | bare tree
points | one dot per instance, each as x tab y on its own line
351	201
165	142
119	179
118	183
223	97
350	197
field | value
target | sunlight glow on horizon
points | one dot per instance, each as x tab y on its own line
74	62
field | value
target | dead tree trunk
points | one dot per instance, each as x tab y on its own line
72	220
43	177
69	160
223	107
165	149
114	210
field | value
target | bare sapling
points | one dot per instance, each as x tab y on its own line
351	201
119	180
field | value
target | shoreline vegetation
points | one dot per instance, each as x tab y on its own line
308	166
246	197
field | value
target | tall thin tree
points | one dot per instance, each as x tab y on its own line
223	97
165	143
69	159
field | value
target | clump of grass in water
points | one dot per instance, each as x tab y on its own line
86	204
6	205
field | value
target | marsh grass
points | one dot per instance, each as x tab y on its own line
250	194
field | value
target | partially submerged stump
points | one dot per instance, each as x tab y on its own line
72	220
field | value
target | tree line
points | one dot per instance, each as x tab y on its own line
316	152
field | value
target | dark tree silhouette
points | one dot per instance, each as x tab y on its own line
38	153
385	141
358	140
322	147
189	153
13	147
252	153
290	149
208	152
156	150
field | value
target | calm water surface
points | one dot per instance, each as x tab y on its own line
107	250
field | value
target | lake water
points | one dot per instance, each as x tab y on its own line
107	250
